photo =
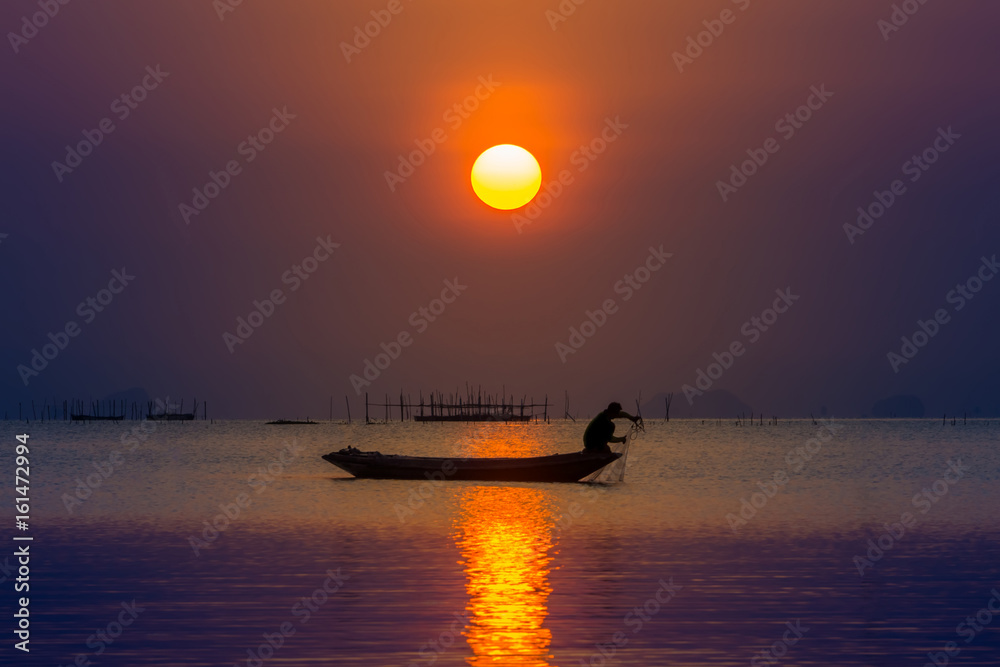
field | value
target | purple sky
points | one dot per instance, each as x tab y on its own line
672	130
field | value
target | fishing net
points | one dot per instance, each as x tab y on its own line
615	471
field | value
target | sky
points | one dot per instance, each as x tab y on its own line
262	134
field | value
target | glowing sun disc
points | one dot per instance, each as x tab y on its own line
506	177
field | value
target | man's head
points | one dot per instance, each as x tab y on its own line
614	408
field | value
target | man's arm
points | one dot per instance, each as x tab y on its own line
622	413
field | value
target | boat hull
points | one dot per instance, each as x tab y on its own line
554	468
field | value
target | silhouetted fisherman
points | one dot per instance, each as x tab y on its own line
601	429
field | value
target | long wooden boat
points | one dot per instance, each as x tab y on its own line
554	468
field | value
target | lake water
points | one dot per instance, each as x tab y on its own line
340	571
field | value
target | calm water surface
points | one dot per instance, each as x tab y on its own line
648	572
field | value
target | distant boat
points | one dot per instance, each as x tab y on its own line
289	422
554	468
173	413
171	417
92	418
474	417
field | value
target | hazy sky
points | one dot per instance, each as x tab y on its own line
644	122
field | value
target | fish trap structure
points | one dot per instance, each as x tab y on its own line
456	407
108	410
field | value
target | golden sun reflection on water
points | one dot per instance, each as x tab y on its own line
505	536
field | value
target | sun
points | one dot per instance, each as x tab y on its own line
506	177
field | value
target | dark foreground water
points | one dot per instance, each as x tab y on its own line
312	567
